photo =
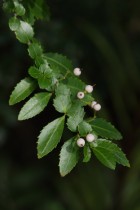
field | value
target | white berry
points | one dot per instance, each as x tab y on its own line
80	95
89	88
97	107
93	103
81	142
91	137
77	71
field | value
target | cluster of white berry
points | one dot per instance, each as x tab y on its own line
88	89
89	138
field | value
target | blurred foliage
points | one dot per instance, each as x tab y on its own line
103	38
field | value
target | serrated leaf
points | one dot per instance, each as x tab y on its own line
25	32
22	90
36	9
75	85
62	101
50	137
69	157
84	128
45	76
34	106
87	153
35	50
109	154
62	89
59	63
19	9
76	114
33	72
14	23
105	129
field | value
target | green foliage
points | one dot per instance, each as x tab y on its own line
34	106
105	129
69	156
109	154
22	90
50	136
53	73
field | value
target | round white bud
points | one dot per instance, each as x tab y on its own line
81	142
91	137
80	95
77	71
89	88
97	107
93	103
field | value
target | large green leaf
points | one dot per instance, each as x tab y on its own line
25	32
69	156
76	114
45	76
22	90
34	106
59	63
105	129
50	137
109	154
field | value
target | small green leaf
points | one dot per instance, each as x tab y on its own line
109	154
76	114
105	129
69	156
33	72
45	76
75	85
62	102
87	153
25	32
59	63
35	50
14	24
34	106
84	128
19	9
22	90
50	137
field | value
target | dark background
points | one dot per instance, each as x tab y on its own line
103	38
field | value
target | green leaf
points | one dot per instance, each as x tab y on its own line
25	32
34	106
59	63
45	76
84	128
8	6
87	153
75	85
14	23
50	137
76	114
105	129
36	9
69	156
33	72
22	90
19	9
62	102
35	50
109	154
